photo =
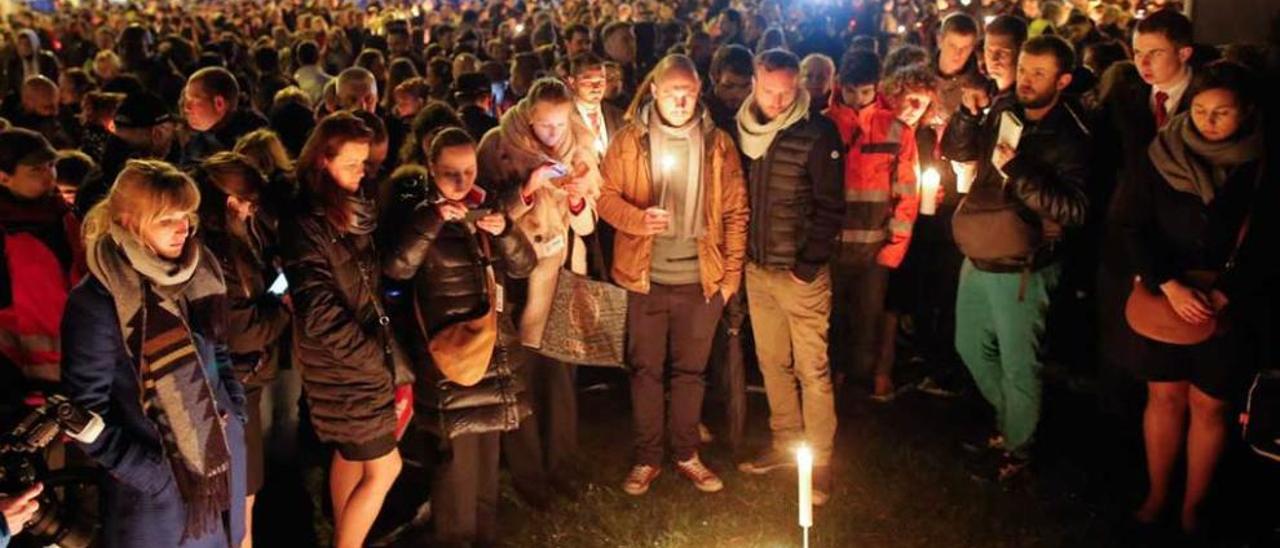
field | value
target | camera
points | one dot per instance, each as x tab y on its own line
22	465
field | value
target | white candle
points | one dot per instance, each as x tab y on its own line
804	463
902	29
519	28
929	182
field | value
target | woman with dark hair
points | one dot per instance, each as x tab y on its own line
1200	209
347	355
458	251
143	346
240	227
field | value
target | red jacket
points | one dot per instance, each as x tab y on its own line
43	259
881	201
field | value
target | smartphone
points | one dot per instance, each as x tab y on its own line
474	215
279	286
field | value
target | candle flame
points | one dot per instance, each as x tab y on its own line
668	162
931	177
804	456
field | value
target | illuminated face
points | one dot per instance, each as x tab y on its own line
1160	61
454	172
913	106
580	42
168	233
347	167
407	105
29	181
1216	114
858	97
817	78
201	110
590	85
677	97
550	122
732	89
999	54
1039	81
775	91
954	52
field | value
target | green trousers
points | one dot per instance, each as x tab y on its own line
998	336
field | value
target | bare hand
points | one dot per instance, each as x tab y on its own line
1003	155
1190	304
542	177
655	221
493	223
18	510
975	100
451	211
577	189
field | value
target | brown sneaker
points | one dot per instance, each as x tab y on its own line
637	482
701	476
822	485
768	461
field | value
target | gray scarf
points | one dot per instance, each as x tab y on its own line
754	136
688	216
121	262
1192	164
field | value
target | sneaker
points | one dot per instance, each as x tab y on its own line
1011	466
704	434
638	481
933	387
766	462
822	485
701	476
994	442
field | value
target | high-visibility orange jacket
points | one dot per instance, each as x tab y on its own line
880	195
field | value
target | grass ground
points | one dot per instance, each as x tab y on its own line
901	480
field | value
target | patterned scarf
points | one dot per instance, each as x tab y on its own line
156	300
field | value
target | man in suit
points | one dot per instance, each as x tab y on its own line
587	78
1145	95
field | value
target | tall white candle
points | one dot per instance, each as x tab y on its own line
929	182
804	463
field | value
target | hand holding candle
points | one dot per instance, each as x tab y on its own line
929	183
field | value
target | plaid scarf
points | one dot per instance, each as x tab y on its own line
157	301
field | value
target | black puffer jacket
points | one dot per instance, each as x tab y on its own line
1047	175
448	269
257	320
338	339
797	198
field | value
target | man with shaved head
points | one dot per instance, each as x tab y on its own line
357	89
673	188
38	110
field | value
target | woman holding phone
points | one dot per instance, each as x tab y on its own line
240	227
459	254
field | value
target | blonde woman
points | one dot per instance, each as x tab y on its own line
143	346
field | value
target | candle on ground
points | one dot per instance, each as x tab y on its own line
804	463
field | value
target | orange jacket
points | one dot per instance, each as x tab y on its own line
881	201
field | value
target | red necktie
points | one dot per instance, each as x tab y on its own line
595	122
1162	114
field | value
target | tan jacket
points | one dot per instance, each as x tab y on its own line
628	191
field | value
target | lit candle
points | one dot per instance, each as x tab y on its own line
804	463
988	19
668	163
929	182
519	28
902	29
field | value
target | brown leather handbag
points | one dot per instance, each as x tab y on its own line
1149	314
462	351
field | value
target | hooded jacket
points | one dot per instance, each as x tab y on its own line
508	154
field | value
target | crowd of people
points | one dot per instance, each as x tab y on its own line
216	213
